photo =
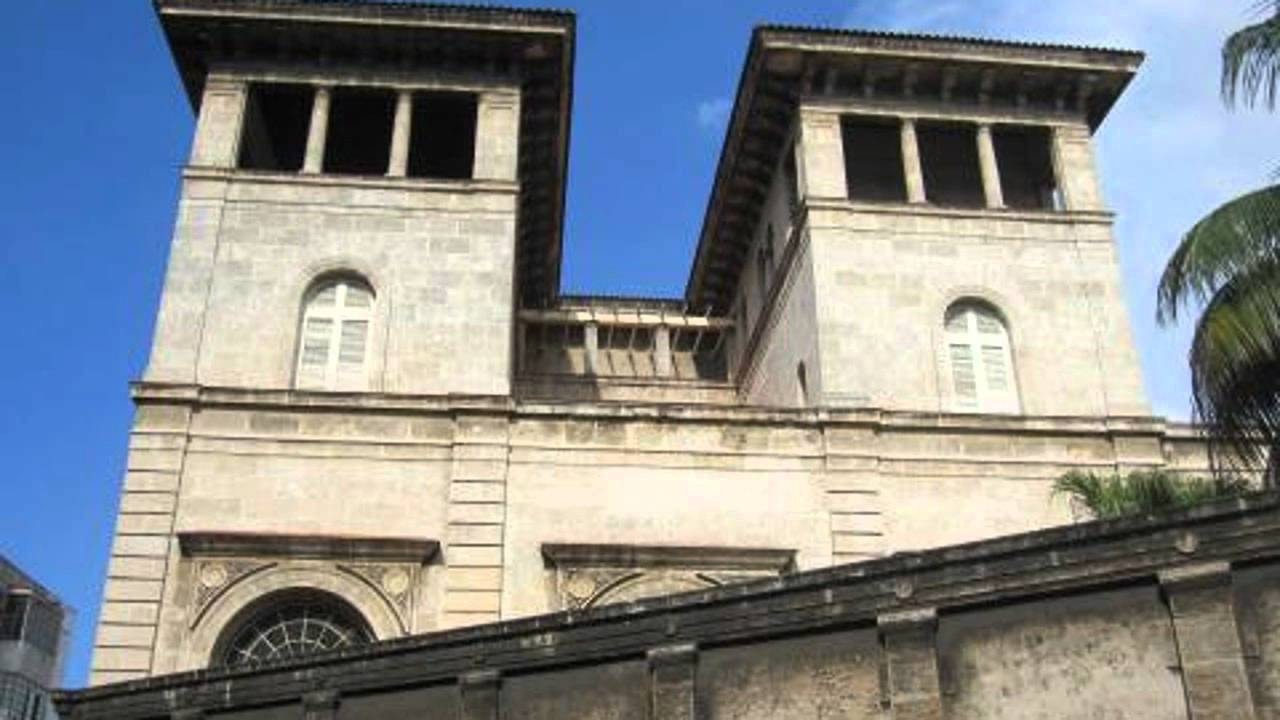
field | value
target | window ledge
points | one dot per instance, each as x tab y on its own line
951	211
195	172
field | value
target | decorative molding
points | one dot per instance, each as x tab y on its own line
394	582
234	544
589	575
213	577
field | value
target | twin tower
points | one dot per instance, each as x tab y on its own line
369	409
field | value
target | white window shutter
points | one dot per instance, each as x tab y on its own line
981	359
334	338
963	375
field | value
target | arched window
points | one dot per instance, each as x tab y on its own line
981	359
290	624
333	342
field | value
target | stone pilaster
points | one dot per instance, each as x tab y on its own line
662	351
911	658
672	671
1074	167
591	347
1204	624
822	155
476	517
398	166
478	695
217	138
318	133
990	168
144	548
320	705
497	135
911	168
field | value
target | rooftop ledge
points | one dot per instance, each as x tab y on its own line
962	213
373	182
155	393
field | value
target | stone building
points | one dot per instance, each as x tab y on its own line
369	413
34	628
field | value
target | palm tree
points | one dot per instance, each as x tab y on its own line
1230	263
1142	492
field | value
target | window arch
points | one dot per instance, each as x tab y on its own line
981	358
289	624
333	339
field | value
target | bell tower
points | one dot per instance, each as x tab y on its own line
373	189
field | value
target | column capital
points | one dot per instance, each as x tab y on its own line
480	679
669	655
1196	576
913	620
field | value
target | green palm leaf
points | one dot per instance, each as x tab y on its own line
1231	240
1143	492
1235	367
1251	61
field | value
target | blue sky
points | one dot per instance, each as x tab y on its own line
96	128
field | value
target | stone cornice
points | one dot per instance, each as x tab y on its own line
151	393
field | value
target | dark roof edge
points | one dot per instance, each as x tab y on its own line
377	8
1230	529
976	41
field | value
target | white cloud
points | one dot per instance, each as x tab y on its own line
1169	153
712	114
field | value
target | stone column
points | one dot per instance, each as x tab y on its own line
400	135
318	132
497	135
478	695
990	168
911	655
217	138
911	162
591	347
662	351
320	705
1204	626
671	682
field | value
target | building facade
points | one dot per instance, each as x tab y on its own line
369	413
34	628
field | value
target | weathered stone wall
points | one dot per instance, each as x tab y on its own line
1085	657
1150	617
496	484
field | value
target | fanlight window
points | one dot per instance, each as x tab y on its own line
981	360
296	624
334	337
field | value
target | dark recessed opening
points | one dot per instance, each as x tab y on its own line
276	121
1026	167
444	135
873	160
360	124
949	156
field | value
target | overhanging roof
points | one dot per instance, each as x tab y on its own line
534	46
785	64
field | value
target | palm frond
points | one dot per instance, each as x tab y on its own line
1251	62
1231	240
1143	491
1235	367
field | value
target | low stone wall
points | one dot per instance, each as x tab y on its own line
1169	617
